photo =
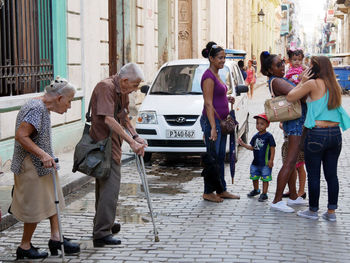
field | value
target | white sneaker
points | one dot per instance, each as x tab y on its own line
282	206
298	201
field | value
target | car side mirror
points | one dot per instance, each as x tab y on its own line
144	89
241	89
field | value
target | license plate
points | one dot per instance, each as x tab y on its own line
180	133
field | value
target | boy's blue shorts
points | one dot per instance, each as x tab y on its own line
262	172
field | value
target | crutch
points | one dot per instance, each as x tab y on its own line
141	169
53	172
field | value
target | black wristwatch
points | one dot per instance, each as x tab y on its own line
135	136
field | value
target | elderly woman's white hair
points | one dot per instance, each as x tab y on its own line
60	86
132	72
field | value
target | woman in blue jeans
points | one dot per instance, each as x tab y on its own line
215	108
323	142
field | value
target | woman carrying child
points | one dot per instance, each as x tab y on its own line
272	66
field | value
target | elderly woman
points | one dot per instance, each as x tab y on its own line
32	164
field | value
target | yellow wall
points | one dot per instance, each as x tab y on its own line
263	34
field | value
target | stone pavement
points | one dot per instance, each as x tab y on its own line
70	183
193	230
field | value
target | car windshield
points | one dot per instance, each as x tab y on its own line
184	79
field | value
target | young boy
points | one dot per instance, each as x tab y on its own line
263	146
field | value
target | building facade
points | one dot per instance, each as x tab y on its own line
342	13
90	40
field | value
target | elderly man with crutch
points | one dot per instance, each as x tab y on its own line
36	192
109	111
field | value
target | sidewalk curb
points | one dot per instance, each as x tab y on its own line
8	220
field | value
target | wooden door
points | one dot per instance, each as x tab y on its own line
185	29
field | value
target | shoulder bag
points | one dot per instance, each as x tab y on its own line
90	157
227	125
279	109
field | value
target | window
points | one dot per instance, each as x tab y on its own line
26	51
238	73
184	79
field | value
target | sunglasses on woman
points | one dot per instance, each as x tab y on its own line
280	64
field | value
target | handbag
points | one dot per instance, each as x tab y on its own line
227	125
90	157
279	109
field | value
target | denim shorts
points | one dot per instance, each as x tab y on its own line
295	127
262	172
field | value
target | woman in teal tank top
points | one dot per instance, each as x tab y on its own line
325	116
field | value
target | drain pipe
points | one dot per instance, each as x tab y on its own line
123	25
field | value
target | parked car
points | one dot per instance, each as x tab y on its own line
169	117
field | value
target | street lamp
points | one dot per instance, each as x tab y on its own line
261	15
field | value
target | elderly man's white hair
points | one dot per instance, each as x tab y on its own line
132	72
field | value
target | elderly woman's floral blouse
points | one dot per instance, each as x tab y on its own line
35	113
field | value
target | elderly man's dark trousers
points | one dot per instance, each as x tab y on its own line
106	194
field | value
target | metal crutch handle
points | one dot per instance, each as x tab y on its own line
141	169
53	171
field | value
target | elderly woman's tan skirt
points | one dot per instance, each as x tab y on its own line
33	196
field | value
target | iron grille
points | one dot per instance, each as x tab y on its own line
25	46
181	120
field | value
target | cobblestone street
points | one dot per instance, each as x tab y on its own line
193	230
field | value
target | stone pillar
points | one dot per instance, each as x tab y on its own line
185	29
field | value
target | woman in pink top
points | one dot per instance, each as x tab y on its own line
215	108
250	80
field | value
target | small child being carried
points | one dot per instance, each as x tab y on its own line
263	146
296	68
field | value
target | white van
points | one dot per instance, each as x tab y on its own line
169	117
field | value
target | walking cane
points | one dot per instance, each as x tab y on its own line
58	209
141	169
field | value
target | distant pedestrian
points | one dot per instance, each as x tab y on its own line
32	163
109	111
296	68
254	63
251	78
215	108
241	67
273	67
323	141
263	146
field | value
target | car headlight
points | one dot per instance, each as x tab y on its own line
147	117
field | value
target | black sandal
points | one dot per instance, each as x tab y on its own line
32	253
